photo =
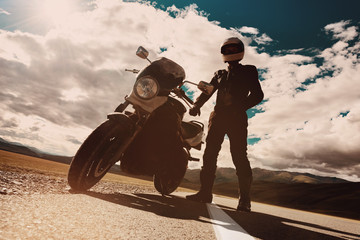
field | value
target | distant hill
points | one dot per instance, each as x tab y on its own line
304	191
223	175
16	148
228	175
30	151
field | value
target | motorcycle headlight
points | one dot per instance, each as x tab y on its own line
146	87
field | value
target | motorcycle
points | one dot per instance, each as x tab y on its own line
148	139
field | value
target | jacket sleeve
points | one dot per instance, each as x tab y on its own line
202	99
256	94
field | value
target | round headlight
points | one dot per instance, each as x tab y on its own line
146	87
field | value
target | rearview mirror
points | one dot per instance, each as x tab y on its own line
142	52
205	87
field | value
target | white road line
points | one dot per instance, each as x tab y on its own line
224	226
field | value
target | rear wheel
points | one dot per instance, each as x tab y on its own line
98	153
169	178
165	185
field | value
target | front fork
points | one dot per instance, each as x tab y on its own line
139	120
122	106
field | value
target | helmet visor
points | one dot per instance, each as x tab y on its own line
232	49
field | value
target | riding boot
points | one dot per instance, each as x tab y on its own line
244	201
205	193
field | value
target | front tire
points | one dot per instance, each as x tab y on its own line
96	155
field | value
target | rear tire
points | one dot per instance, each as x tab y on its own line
168	180
165	185
96	155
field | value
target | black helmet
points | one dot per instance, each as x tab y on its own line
232	49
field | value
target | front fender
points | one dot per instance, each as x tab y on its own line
122	119
117	116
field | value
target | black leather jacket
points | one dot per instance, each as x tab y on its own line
238	89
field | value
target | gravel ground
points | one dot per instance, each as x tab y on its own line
18	181
38	206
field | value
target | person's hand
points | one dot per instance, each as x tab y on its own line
194	111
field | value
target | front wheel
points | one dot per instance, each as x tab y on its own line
97	154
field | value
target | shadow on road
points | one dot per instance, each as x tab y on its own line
166	206
265	226
258	225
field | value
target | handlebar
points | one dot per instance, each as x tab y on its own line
181	94
132	70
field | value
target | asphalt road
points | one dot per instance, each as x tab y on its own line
102	216
35	206
150	216
272	222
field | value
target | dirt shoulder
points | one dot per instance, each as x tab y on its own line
21	181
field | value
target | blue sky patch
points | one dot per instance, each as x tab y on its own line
252	141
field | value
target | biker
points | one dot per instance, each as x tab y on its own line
238	89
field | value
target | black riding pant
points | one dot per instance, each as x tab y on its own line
234	124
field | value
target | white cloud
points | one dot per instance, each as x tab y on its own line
57	87
42	134
74	75
342	32
2	11
250	30
263	39
305	129
73	95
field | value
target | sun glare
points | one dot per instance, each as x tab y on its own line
56	11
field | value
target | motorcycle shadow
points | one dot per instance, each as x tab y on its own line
166	206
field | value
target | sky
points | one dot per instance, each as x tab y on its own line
62	70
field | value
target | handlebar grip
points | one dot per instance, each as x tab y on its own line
183	94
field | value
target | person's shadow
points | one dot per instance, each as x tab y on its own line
166	206
258	225
265	226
